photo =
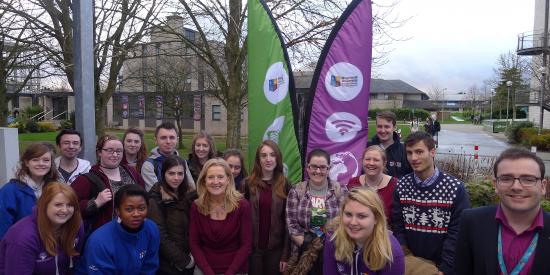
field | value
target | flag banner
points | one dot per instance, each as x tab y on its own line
271	101
338	103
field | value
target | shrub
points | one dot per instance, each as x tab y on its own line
32	111
32	126
481	193
512	132
542	142
402	113
45	126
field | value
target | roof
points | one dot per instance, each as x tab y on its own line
302	80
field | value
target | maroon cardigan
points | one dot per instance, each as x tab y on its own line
83	188
385	194
221	247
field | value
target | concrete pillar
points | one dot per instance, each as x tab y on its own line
9	153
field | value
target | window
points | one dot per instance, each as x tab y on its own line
216	112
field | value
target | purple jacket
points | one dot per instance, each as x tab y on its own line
331	266
22	251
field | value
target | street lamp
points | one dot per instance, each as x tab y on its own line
509	84
542	91
492	98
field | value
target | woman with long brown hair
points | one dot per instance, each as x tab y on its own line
169	202
266	190
19	195
220	235
135	150
203	148
49	240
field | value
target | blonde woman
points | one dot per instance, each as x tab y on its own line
374	166
220	234
361	243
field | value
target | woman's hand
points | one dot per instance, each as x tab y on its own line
298	239
282	266
103	197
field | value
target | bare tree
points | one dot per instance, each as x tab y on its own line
436	93
305	26
20	61
119	26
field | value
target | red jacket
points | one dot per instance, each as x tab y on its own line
83	189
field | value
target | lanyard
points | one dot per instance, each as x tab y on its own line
526	255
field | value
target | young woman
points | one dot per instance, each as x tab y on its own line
203	148
96	189
361	243
49	240
374	164
135	151
220	235
169	204
128	245
266	190
235	160
19	195
310	205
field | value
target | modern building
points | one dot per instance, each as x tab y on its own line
533	44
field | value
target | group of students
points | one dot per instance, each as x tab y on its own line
160	214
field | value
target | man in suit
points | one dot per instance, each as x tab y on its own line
514	235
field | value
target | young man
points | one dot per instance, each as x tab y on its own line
166	139
68	164
427	205
515	234
397	165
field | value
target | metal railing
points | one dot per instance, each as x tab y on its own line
531	42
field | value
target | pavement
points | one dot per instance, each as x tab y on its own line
462	138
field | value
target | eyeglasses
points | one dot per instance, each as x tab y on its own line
322	168
525	181
112	151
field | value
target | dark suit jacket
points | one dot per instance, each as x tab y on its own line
476	248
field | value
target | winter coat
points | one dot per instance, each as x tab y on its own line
171	214
82	168
16	202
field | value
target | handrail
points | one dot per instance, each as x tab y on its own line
59	115
37	115
529	40
42	117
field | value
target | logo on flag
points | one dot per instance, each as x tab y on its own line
343	166
344	81
342	126
276	83
274	130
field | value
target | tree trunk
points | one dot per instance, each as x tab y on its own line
233	123
180	132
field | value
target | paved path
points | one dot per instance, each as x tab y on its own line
461	139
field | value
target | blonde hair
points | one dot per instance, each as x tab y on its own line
377	251
380	150
232	196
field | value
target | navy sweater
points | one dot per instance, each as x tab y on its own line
426	219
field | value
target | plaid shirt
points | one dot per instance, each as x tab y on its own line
298	210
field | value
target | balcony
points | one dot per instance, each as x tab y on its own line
531	43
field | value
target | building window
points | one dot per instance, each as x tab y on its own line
216	112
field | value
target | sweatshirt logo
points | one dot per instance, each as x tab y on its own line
43	257
142	254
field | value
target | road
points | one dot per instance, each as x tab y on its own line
462	138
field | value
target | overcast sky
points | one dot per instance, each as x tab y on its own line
455	44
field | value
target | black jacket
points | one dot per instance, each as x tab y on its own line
171	214
397	164
476	248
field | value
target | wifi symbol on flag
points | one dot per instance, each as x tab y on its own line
343	126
